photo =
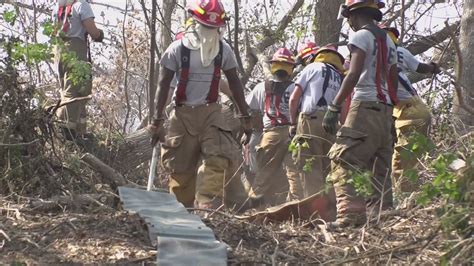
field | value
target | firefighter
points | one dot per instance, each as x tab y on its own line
196	126
238	194
306	54
411	113
271	99
364	143
74	21
316	86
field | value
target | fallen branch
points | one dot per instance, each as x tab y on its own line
74	200
19	144
406	247
5	235
106	171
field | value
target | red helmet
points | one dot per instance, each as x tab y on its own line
309	49
331	49
283	55
351	5
208	12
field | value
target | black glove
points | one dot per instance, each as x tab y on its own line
436	68
292	131
330	119
101	36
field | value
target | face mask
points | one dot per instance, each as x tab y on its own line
281	74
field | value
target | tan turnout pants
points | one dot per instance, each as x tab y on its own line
73	115
197	133
272	158
411	116
236	192
364	143
310	130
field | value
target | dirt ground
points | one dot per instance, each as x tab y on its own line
96	234
99	233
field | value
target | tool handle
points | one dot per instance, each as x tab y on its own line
152	173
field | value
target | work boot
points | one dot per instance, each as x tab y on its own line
348	220
213	204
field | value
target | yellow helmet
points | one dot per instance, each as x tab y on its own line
329	54
392	32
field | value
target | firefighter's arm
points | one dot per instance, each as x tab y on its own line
238	94
95	33
352	77
166	76
237	91
394	76
294	102
428	68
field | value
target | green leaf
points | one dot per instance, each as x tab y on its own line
305	145
9	16
48	28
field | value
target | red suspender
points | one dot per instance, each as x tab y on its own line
378	71
63	13
183	79
392	92
279	119
214	90
382	65
213	94
68	12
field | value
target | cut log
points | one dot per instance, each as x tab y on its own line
135	150
106	171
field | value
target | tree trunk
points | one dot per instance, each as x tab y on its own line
465	70
151	75
326	28
168	7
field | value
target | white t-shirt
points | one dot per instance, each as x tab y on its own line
406	63
199	81
311	80
80	11
366	88
256	101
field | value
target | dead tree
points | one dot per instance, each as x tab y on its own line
464	100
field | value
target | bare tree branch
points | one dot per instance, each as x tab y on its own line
152	84
427	42
236	37
269	39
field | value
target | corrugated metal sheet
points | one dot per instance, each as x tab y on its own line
181	238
